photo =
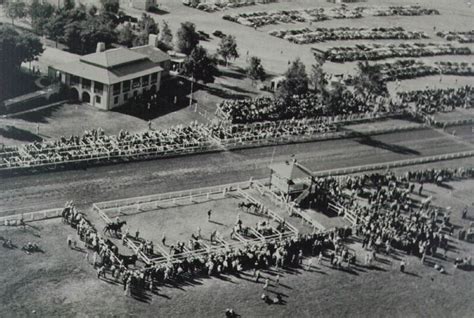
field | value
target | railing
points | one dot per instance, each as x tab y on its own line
155	200
393	164
31	216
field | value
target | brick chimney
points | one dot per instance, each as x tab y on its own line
153	40
100	47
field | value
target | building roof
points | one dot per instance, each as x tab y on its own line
110	76
153	53
290	170
113	58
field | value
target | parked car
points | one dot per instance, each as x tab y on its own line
203	36
218	33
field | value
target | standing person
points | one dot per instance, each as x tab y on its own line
38	129
137	234
277	280
265	286
209	215
199	232
94	258
310	263
420	189
320	257
149	125
257	276
464	213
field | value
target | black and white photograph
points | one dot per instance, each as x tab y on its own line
237	158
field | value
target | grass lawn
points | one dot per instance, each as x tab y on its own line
60	282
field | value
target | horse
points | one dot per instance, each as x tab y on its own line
128	260
248	205
114	227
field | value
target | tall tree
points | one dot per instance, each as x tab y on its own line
147	26
40	14
126	36
201	66
255	70
228	48
317	78
368	81
112	6
16	10
296	81
69	5
93	30
166	36
17	48
187	38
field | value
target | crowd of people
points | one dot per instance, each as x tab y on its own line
387	213
430	101
95	144
408	69
270	130
306	106
314	35
373	52
261	18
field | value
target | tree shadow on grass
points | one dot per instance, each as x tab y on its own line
237	89
11	132
163	107
238	73
40	115
223	93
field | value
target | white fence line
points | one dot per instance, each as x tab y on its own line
176	196
31	216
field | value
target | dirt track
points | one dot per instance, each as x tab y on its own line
50	190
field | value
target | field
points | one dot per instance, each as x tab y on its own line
60	282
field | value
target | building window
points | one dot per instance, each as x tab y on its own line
154	78
116	99
98	87
74	80
145	80
116	89
97	99
125	96
136	82
86	84
126	86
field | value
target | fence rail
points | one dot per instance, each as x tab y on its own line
31	216
140	202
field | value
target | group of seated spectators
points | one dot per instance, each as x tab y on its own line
460	36
431	101
271	130
408	69
95	144
309	35
305	106
373	52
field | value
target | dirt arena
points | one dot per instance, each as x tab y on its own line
178	221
